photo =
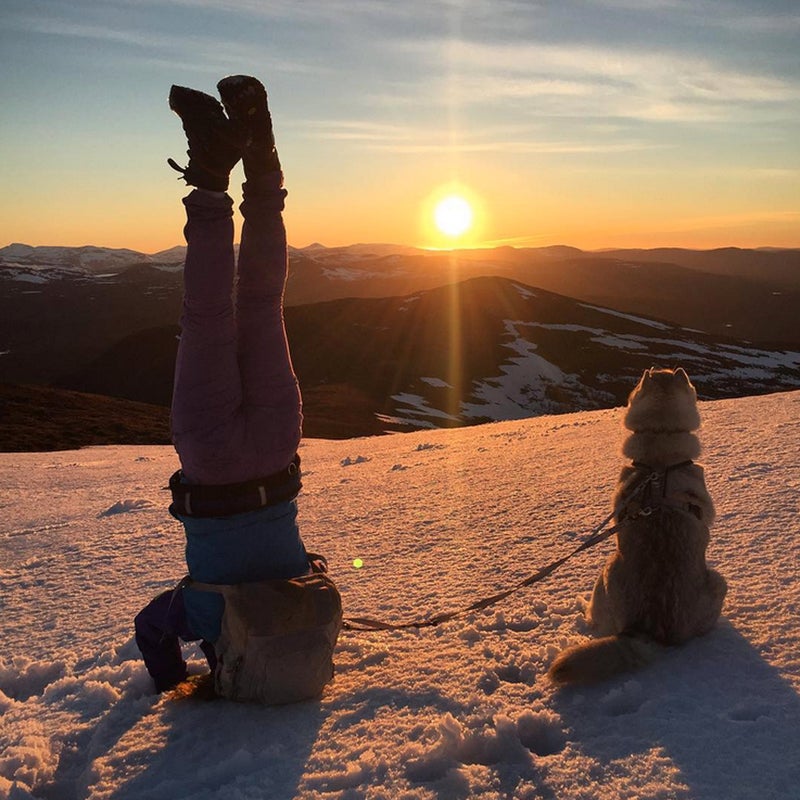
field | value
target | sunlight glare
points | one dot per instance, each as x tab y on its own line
453	215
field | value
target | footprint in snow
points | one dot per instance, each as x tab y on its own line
626	699
753	470
504	741
489	682
509	673
21	678
492	679
541	732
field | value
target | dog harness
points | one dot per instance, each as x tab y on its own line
655	495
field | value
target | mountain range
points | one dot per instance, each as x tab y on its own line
396	338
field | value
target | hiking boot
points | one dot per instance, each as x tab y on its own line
245	101
214	141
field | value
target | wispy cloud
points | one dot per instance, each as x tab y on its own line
403	139
537	240
204	53
57	26
318	11
569	80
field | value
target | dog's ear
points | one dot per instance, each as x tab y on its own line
681	375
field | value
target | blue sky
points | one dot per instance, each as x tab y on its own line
595	124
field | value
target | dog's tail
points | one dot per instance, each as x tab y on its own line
600	659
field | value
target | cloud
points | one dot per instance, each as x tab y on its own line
584	80
348	12
403	139
55	26
203	53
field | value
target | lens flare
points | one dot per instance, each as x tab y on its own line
358	563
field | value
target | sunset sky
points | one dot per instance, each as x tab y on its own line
613	123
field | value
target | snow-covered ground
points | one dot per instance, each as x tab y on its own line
465	710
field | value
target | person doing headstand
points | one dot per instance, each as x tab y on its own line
236	408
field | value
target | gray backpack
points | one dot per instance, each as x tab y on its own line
277	637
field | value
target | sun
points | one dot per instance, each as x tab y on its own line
453	215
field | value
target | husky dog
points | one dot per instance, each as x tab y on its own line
655	589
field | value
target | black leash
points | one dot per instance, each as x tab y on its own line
599	534
368	624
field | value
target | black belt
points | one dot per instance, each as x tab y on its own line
195	500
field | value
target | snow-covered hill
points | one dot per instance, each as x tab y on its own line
755	292
89	260
439	518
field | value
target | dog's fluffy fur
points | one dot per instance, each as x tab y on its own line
656	589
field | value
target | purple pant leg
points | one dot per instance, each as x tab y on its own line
206	401
236	412
271	395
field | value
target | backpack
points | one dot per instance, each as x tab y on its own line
277	637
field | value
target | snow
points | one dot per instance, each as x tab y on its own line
464	710
522	389
621	341
640	320
408	301
349	274
528	383
23	277
437	383
88	261
416	407
525	291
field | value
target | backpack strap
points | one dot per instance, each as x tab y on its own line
317	563
219	588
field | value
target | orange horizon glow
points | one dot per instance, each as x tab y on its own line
438	242
155	223
553	131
